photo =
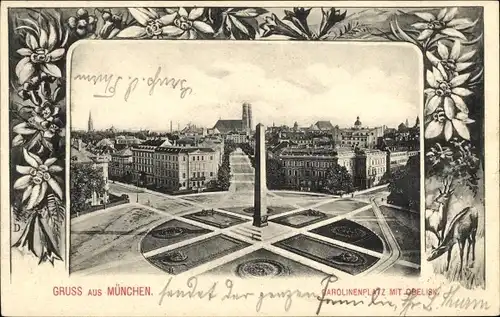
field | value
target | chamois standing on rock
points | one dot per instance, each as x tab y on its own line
435	219
462	229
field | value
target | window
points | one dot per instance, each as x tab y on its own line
198	174
194	158
211	157
211	173
197	158
183	175
202	157
184	158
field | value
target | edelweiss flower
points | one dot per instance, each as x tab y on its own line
37	178
444	24
447	91
152	25
438	153
443	98
41	51
453	62
187	25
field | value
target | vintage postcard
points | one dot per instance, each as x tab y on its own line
250	158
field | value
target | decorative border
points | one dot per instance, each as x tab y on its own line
450	39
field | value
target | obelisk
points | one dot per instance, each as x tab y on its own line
260	192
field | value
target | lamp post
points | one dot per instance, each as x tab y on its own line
137	185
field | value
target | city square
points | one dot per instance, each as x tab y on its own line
207	234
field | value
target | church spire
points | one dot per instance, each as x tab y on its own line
90	123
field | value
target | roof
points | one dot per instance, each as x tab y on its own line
224	126
124	152
80	156
105	143
324	125
178	149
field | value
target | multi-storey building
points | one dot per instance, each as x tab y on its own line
397	159
359	136
180	168
142	157
236	137
307	167
121	163
371	166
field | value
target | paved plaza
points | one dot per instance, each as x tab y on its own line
207	234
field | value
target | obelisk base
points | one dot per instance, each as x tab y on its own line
271	230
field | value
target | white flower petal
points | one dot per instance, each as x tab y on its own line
449	108
426	16
24	70
203	27
461	91
168	18
22	128
433	129
44	38
443	50
425	34
22	182
31	159
23	169
142	15
182	12
55	187
459	80
133	31
433	59
450	14
448	130
49	161
55	169
24	52
455	50
461	128
51	70
442	13
431	79
460	104
420	25
57	54
438	76
17	140
171	30
192	34
432	104
195	13
33	197
462	66
441	71
52	37
31	42
459	22
453	33
27	192
466	56
41	196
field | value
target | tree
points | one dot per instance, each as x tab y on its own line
274	174
338	179
404	186
85	180
224	176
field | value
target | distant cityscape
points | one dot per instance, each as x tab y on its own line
189	159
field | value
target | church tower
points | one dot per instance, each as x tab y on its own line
90	123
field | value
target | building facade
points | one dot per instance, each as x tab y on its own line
184	168
359	136
121	164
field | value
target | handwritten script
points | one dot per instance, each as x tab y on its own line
445	297
112	84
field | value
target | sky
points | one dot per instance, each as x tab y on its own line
285	81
